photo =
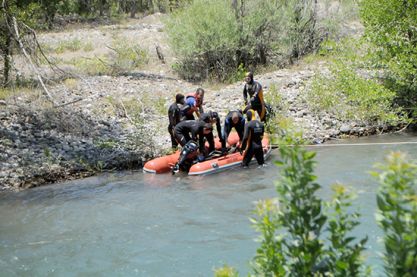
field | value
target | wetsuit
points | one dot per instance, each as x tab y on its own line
228	125
193	130
208	118
252	142
256	101
174	116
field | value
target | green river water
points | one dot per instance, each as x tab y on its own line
135	224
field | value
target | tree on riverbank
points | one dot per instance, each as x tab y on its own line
390	25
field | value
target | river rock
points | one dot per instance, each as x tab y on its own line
345	129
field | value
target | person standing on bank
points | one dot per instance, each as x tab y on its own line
253	91
252	140
174	117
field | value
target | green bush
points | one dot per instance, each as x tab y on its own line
397	214
391	26
214	38
347	93
225	271
124	58
127	57
278	121
344	258
93	66
68	45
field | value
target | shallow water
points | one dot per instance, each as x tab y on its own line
135	224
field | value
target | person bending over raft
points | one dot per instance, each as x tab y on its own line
252	139
213	117
186	133
174	116
234	119
193	104
256	101
195	130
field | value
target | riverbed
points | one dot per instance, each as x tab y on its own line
136	224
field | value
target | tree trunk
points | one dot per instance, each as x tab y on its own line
133	8
150	6
6	56
5	41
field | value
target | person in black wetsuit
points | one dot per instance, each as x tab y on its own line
234	119
252	140
187	133
195	130
253	90
213	117
174	116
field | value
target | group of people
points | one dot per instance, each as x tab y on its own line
189	126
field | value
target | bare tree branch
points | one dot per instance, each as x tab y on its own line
35	70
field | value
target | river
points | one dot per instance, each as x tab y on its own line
135	224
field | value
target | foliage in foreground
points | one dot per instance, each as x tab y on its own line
298	237
293	233
397	214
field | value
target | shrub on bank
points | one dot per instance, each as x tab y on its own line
390	27
213	38
351	90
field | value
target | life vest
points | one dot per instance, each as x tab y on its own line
198	99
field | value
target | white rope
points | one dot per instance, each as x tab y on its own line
355	144
364	144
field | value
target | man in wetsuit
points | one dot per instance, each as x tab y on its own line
174	116
193	104
234	119
213	117
253	90
252	140
195	130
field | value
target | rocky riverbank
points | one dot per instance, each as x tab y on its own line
122	123
118	122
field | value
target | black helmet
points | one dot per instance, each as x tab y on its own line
213	115
250	75
179	98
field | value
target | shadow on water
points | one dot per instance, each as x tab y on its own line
130	223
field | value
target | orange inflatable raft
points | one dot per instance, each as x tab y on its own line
165	163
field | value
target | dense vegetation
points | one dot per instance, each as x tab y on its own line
214	39
391	28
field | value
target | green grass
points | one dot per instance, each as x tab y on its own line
72	45
6	93
98	65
